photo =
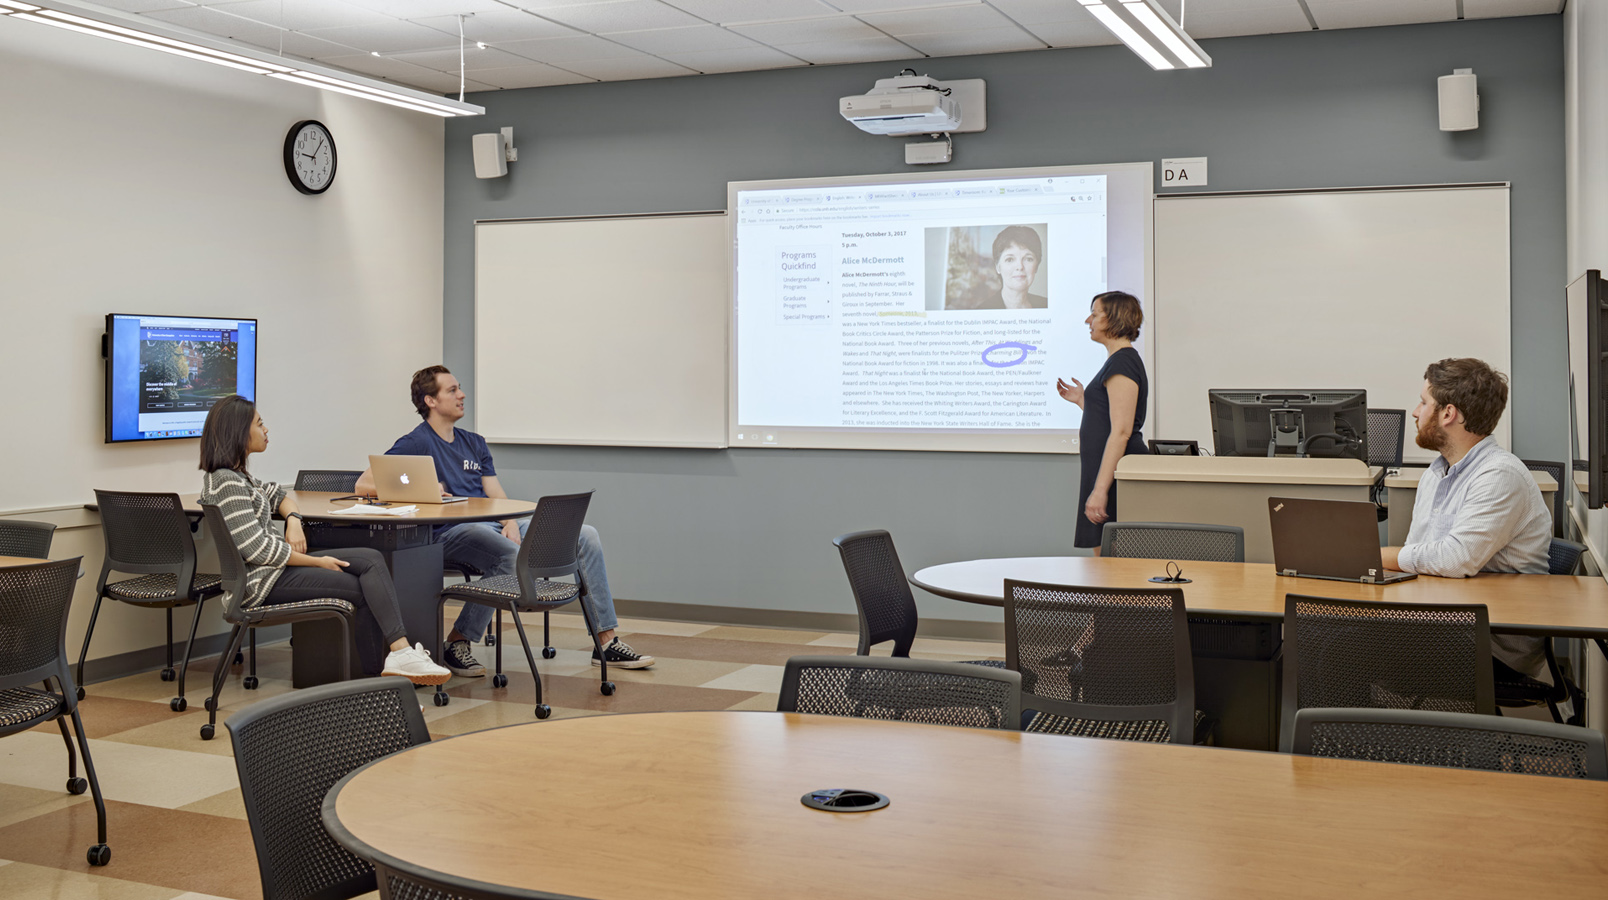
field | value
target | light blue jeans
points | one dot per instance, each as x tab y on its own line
482	546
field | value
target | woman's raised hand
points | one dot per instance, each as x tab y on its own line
1072	393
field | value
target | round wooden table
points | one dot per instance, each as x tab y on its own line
705	805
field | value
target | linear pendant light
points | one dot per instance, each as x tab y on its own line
100	22
1150	32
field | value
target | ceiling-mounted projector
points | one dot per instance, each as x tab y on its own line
906	104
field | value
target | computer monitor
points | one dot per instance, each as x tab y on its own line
1331	423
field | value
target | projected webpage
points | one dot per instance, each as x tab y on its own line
891	315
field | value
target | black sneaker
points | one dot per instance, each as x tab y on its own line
620	654
462	662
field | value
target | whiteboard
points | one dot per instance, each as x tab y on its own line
602	330
1325	289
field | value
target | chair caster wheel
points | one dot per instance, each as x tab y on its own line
249	682
178	704
442	699
99	855
80	693
549	652
207	731
607	688
491	639
77	786
543	711
169	675
499	680
209	704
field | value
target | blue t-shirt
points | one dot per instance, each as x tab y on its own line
460	465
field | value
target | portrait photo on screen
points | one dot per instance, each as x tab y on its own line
987	267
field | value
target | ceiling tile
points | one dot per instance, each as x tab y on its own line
1370	13
827	53
863	6
474	59
1073	34
725	11
497	26
695	39
419	9
305	46
626	69
621	15
808	31
981	40
1266	17
434	82
379	67
931	21
568	49
1038	12
1491	9
220	24
396	37
305	15
142	6
529	75
745	60
539	5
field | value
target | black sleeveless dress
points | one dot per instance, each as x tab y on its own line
1096	430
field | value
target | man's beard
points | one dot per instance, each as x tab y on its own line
1431	436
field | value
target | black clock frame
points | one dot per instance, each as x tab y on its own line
290	157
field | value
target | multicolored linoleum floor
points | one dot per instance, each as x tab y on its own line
177	826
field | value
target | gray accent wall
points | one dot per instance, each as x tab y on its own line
752	528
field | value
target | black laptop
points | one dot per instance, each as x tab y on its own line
1333	539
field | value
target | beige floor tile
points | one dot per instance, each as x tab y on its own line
21	803
132	773
686	672
631	626
22	881
433	713
192	895
765	679
486	715
765	702
837	639
973	649
228	804
181	732
768	635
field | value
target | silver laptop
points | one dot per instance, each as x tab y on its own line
407	479
1333	539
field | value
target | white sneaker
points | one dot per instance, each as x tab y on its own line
413	663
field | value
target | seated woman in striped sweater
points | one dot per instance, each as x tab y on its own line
279	568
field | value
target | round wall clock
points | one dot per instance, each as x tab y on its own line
310	157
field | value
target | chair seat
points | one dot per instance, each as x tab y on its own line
258	614
23	706
1157	731
504	589
154	588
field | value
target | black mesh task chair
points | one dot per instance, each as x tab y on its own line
1387	434
290	750
34	600
1363	654
907	690
150	534
1515	689
1173	541
548	551
343	481
882	594
1102	662
1452	740
25	539
1560	498
250	618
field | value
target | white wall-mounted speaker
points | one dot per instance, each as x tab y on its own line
491	155
1459	101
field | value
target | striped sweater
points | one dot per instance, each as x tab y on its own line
248	506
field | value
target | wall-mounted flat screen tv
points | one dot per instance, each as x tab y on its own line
1588	401
163	373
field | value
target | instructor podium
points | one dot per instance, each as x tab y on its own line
1232	490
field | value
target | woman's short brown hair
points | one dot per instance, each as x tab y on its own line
1478	391
425	384
1122	313
1020	235
227	434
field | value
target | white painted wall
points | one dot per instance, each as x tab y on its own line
1586	121
137	182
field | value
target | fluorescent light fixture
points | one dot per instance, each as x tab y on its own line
140	31
1150	32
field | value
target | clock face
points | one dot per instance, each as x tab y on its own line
310	157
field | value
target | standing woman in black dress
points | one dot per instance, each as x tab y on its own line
1113	410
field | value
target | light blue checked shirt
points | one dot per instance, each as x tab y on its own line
1484	514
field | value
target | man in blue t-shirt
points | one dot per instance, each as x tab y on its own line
463	463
